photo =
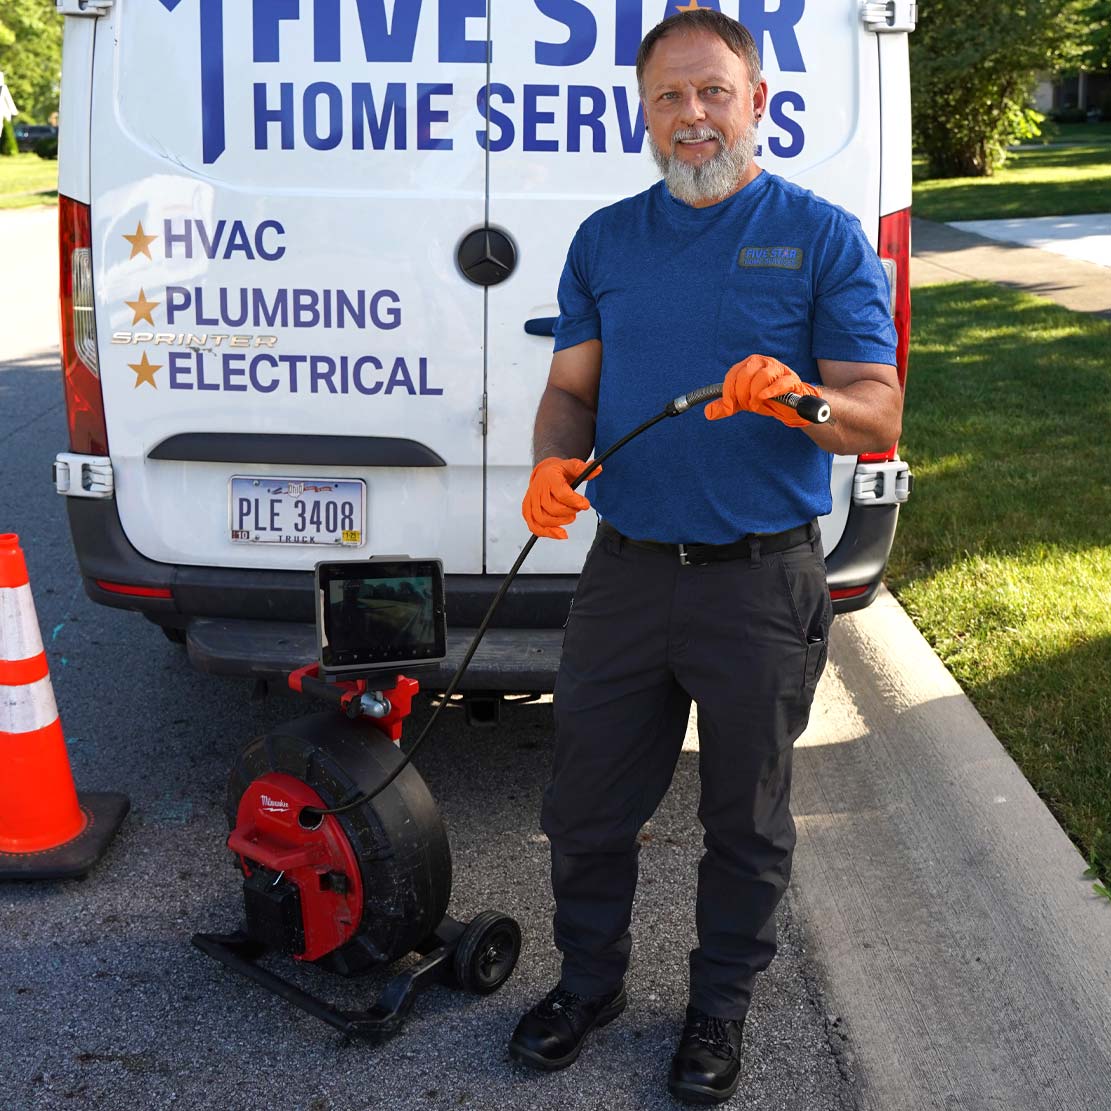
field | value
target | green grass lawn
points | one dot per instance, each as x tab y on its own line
1037	180
27	179
1003	553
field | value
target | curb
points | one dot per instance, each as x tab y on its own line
969	957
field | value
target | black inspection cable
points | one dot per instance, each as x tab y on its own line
814	409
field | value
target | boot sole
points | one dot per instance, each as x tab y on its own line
698	1093
552	1064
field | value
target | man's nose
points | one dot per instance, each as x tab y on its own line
690	109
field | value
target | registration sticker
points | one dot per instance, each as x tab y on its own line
324	511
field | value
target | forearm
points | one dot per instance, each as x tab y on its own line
564	427
864	416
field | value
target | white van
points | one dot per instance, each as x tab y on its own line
309	255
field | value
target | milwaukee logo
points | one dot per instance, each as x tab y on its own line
274	806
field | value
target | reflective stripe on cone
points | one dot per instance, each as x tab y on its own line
28	707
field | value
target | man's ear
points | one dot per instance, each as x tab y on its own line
760	99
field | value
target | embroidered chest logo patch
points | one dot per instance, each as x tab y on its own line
782	258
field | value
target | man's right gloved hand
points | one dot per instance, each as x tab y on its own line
549	501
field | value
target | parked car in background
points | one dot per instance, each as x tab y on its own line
29	135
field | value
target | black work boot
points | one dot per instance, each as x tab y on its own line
707	1065
552	1033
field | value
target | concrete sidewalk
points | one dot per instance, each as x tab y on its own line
968	957
941	253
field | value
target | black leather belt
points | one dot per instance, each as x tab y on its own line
693	555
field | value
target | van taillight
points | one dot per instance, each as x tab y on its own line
894	252
84	399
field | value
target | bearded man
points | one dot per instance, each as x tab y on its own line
706	580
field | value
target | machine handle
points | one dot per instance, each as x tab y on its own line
809	407
331	692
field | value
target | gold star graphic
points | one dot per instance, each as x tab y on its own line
140	243
691	7
142	309
145	371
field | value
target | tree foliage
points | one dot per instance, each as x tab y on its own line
8	145
31	56
1095	15
973	69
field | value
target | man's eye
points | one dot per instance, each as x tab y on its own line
668	96
715	89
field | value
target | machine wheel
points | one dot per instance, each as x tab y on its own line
487	952
398	837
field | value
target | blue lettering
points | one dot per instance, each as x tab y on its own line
630	120
395	44
426	117
582	33
322	369
201	383
492	116
777	110
454	44
577	118
237	241
325	31
393	113
391	317
779	26
266	18
178	300
399	376
334	134
179	370
534	117
212	79
282	115
293	362
202	320
346	308
225	309
260	360
260	247
425	389
171	237
357	375
629	26
233	371
305	311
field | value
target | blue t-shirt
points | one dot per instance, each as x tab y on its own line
677	295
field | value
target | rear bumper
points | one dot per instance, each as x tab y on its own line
260	623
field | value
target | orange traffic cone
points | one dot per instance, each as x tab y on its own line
47	830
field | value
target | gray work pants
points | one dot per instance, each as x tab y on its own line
746	640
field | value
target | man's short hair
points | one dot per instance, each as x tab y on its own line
735	35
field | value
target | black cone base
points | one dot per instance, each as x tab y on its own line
105	810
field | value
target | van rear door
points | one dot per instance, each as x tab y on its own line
288	353
566	138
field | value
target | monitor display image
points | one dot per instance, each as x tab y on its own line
380	615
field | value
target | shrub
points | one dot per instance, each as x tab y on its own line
1071	115
8	145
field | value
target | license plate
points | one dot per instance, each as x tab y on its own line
325	511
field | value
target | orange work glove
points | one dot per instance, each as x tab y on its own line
753	382
549	501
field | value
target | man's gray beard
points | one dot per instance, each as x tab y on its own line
711	180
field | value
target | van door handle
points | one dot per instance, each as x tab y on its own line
541	326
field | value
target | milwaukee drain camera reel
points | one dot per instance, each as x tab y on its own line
344	855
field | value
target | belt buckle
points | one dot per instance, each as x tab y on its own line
683	560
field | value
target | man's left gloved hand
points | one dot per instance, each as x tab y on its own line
752	383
